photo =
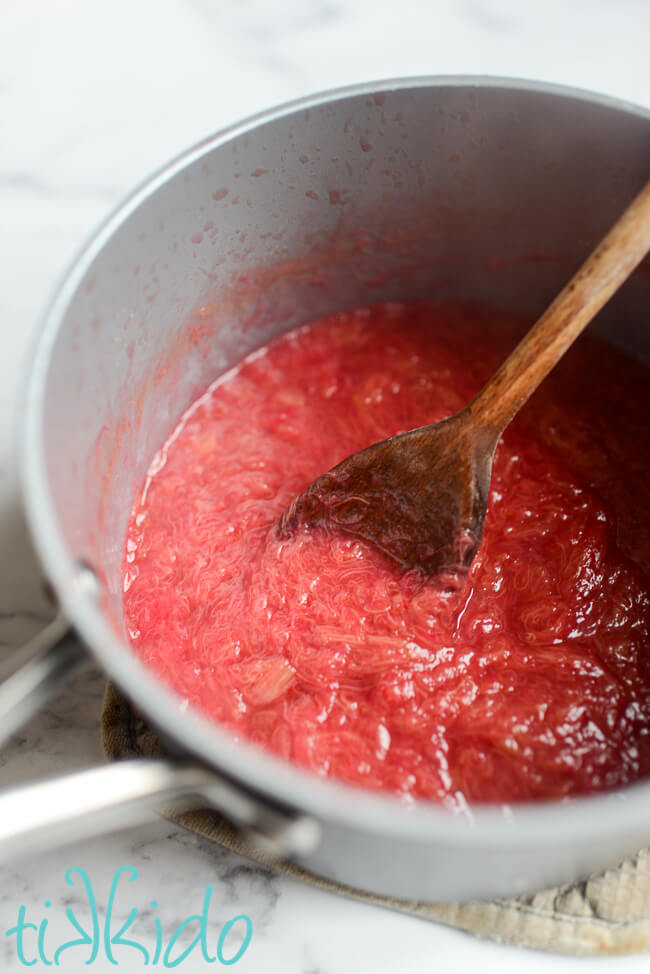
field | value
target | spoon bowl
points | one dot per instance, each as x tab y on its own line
421	497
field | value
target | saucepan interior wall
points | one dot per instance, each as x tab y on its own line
484	192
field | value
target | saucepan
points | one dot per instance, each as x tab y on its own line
482	189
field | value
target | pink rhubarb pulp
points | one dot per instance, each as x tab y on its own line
533	682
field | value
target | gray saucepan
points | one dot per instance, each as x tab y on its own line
489	190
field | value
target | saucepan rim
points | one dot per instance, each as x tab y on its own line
243	763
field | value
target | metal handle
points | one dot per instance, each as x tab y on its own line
50	656
39	816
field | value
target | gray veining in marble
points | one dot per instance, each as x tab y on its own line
92	98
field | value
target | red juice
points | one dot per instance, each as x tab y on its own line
532	682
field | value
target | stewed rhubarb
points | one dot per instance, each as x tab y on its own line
529	681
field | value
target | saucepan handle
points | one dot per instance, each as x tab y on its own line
40	668
44	814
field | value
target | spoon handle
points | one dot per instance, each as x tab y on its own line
603	272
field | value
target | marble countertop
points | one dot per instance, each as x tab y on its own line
93	96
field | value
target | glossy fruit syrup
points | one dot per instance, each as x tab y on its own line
531	682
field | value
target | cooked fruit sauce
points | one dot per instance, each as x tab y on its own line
530	682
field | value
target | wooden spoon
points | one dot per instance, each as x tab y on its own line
421	497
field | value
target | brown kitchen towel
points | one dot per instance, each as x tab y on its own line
609	913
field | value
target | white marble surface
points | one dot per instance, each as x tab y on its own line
93	96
